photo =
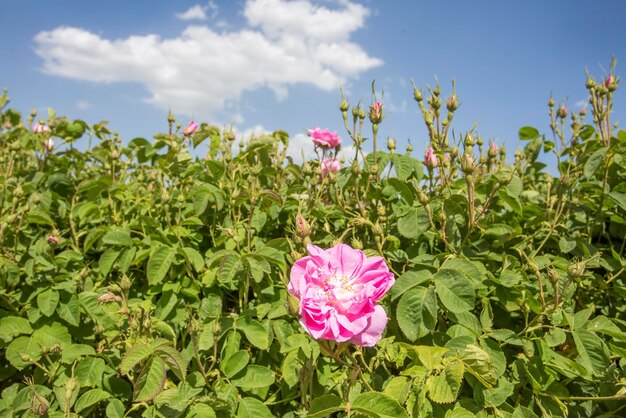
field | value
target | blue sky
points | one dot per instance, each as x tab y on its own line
278	64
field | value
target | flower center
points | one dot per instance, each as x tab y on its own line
342	282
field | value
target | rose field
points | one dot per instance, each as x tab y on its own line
457	279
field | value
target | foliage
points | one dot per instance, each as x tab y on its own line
138	280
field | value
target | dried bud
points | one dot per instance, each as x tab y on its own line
53	239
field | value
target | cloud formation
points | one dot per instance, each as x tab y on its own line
197	73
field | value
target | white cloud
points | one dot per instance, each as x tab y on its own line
198	72
196	12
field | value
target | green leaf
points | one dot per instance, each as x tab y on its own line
409	280
117	236
54	336
134	355
455	291
39	217
107	259
444	387
618	198
479	363
253	408
430	356
90	398
69	310
89	371
235	363
151	380
594	161
47	301
11	326
159	264
22	351
414	223
195	258
255	332
174	360
325	405
527	133
402	189
115	409
566	244
417	312
379	405
76	351
592	352
254	377
291	367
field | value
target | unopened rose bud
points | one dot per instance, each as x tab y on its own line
125	283
191	128
469	140
344	105
562	113
590	83
108	297
40	128
417	94
583	111
492	152
376	113
430	159
551	102
452	103
391	144
170	117
409	148
303	228
467	164
53	239
575	270
114	154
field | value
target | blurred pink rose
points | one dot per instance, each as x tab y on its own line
324	138
329	165
49	144
431	159
40	128
191	128
338	290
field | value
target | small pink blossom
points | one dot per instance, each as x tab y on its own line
324	138
493	149
608	81
40	128
191	128
330	166
338	290
53	239
430	159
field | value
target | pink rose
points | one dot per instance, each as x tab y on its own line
329	165
40	128
49	144
191	128
431	159
338	290
324	138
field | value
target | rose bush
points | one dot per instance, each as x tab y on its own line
145	278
